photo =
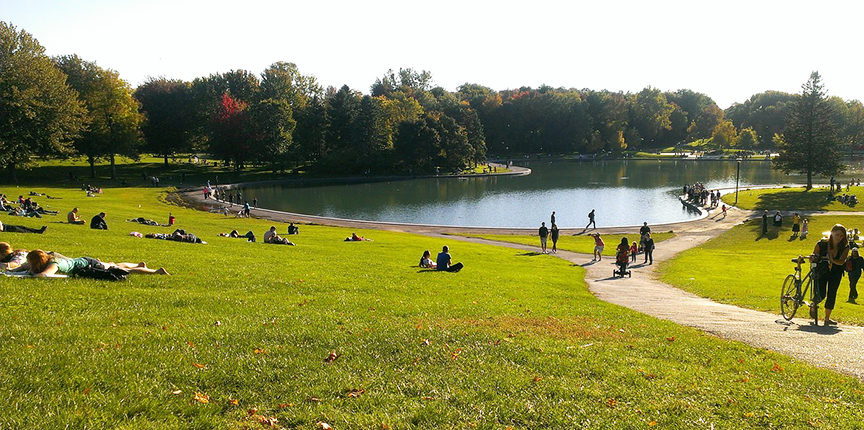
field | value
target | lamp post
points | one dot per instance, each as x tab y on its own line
737	176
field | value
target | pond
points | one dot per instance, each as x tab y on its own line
623	192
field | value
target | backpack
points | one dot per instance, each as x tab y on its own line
112	274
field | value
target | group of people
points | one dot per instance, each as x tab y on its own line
800	226
835	255
444	261
699	195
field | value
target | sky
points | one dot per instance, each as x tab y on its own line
728	50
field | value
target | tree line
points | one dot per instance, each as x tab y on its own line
282	118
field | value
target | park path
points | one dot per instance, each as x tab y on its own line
839	348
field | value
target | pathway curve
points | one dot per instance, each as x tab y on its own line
839	348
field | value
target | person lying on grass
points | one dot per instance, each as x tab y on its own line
21	229
236	234
270	236
11	258
42	264
355	238
179	235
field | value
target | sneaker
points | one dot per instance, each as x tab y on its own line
42	230
830	322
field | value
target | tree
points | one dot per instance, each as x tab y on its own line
39	113
650	114
168	109
725	135
765	112
809	140
229	137
112	112
747	139
272	125
283	81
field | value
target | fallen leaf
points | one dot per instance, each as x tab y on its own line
252	411
415	361
537	379
234	402
425	342
201	398
611	402
190	344
164	327
776	368
286	405
260	351
455	354
332	357
427	398
355	392
652	423
268	421
324	426
199	365
671	339
176	392
87	390
749	414
314	399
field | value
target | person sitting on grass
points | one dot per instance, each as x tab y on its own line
236	234
292	229
271	237
355	238
98	222
444	260
11	258
426	260
21	229
42	264
73	217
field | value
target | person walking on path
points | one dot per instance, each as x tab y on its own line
835	250
554	235
642	232
854	267
544	232
552	219
591	220
649	249
598	247
246	209
765	223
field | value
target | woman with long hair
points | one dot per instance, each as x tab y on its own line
42	264
834	250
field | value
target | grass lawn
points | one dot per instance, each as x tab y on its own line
793	199
241	333
742	268
583	244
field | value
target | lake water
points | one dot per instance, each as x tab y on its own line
624	193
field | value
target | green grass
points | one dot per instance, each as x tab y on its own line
583	244
789	199
513	341
743	268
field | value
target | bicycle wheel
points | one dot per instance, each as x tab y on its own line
789	300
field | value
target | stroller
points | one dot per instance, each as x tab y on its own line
622	259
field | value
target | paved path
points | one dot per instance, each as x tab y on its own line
839	348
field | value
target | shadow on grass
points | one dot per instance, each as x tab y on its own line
529	254
816	199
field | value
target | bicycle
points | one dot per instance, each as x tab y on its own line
795	289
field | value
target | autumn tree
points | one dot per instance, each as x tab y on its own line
230	132
809	141
725	135
112	112
39	112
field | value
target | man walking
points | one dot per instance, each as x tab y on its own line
544	233
643	233
552	219
649	249
591	220
765	223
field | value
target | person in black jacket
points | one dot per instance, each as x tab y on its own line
98	222
855	264
649	249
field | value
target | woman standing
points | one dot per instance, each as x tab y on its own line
835	250
554	233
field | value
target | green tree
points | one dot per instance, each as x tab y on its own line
169	113
272	127
747	139
810	145
283	81
112	112
725	135
39	113
765	112
650	115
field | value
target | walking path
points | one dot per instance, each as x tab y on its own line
840	348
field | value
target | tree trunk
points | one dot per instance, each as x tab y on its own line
92	166
166	161
113	168
13	174
809	180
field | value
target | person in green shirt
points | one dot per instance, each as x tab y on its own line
42	264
